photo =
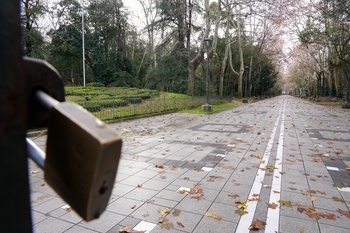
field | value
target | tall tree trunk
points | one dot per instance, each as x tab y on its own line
224	60
194	63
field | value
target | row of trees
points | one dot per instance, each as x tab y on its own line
167	52
321	62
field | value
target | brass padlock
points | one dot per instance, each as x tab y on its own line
82	157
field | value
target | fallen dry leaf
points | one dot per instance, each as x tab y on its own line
195	191
159	165
344	212
176	212
338	199
257	225
272	205
198	198
241	212
312	198
150	201
234	196
256	156
285	203
270	168
180	224
167	226
163	220
213	215
164	211
313	213
125	229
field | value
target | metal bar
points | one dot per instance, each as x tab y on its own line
35	153
45	100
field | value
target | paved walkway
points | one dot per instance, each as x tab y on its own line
280	164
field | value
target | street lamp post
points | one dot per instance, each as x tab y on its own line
83	41
207	106
245	100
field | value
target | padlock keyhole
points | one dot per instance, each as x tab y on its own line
104	188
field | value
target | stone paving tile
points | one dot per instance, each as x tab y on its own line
328	228
289	224
52	225
226	212
156	185
191	204
141	194
213	226
79	229
124	206
129	221
120	189
49	206
71	216
170	195
185	222
109	220
134	181
38	217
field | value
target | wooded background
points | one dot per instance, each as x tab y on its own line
299	46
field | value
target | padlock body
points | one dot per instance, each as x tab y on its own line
82	158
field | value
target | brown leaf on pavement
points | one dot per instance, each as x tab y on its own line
164	211
176	212
195	191
234	196
257	225
313	213
285	203
213	215
167	225
312	198
344	212
241	212
180	224
338	199
159	166
125	229
272	205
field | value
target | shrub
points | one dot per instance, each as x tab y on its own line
93	107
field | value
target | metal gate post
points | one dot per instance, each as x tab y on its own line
15	215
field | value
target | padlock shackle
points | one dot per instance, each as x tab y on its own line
35	153
45	100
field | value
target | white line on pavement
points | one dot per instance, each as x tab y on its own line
273	215
246	220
